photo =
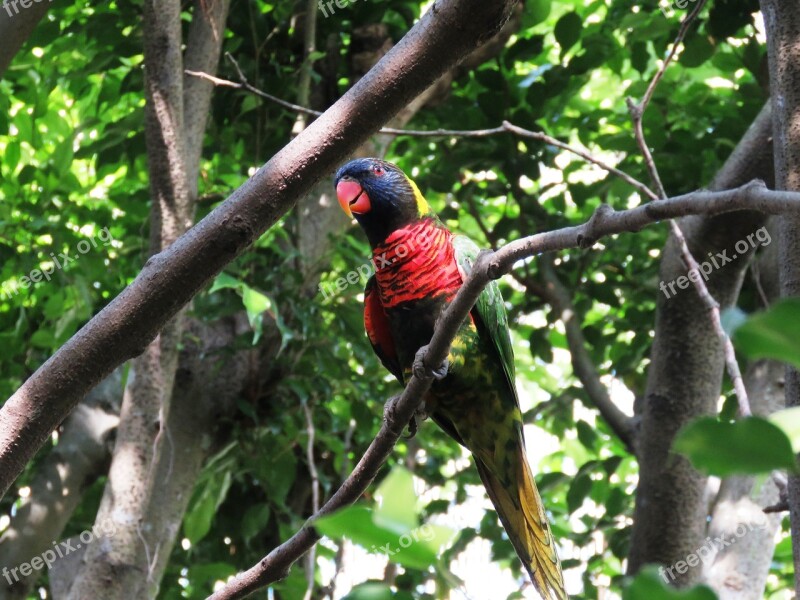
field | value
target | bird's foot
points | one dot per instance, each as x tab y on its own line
418	417
390	412
421	371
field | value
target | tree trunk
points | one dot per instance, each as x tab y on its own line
782	23
739	570
685	374
81	456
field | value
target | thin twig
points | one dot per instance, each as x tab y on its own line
637	110
637	114
682	31
583	154
492	265
312	470
503	129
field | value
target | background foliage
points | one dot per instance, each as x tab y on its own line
73	162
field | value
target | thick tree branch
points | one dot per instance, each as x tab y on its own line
114	569
670	516
80	457
171	278
491	265
782	24
712	306
16	25
202	52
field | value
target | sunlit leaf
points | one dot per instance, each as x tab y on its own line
751	445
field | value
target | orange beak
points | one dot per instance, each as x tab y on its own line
352	198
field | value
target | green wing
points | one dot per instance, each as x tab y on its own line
490	310
504	470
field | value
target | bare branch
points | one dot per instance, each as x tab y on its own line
505	128
637	114
558	297
312	471
492	265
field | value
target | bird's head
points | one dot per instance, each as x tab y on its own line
380	197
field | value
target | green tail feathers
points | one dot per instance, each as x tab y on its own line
522	513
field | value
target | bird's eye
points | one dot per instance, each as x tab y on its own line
377	170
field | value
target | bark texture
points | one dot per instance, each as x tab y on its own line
782	24
16	27
685	375
81	456
146	437
738	571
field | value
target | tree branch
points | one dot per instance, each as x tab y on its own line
505	128
491	265
637	114
171	278
558	297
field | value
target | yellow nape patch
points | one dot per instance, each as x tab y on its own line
422	205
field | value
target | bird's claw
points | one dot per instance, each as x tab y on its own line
389	410
441	372
413	425
421	371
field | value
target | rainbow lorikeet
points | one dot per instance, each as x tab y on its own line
419	267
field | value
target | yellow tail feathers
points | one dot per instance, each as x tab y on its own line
520	508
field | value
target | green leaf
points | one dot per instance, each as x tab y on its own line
225	281
12	155
586	434
197	522
370	591
255	303
696	51
751	445
568	30
376	591
649	585
537	11
774	333
255	520
788	421
397	508
356	524
43	338
578	490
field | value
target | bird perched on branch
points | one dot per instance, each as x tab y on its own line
419	267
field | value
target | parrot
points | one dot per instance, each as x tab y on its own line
419	266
